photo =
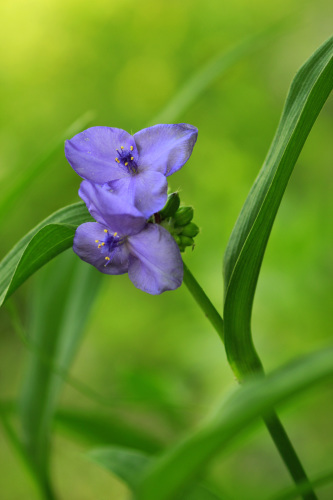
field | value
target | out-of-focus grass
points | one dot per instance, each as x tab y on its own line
125	60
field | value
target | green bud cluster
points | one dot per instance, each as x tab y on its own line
178	221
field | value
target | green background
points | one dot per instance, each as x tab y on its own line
157	358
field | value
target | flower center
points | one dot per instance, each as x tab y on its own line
125	157
109	245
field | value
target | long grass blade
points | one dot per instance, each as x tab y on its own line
174	470
318	481
130	466
245	251
247	244
61	304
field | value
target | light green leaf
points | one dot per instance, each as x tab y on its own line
127	464
20	184
130	466
20	450
246	247
51	237
176	468
95	428
61	304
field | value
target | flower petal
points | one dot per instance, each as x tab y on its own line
147	191
165	148
86	247
111	210
92	153
155	263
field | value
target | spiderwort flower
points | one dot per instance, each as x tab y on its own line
135	166
122	241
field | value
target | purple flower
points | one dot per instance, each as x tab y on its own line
135	166
122	241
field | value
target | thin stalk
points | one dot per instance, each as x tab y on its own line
272	422
203	301
288	454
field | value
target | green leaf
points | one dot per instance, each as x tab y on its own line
291	493
176	468
246	247
20	450
95	428
130	466
21	183
51	237
61	304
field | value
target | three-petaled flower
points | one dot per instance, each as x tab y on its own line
135	167
123	241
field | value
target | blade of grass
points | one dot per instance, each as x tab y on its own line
61	305
21	452
245	251
130	466
247	244
177	467
320	480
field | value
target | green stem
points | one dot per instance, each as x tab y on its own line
272	422
288	454
203	301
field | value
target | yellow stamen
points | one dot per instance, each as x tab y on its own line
117	160
126	164
103	244
115	234
132	157
121	147
96	241
105	230
131	148
107	258
99	246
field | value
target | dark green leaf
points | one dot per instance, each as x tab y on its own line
250	235
176	468
51	237
61	303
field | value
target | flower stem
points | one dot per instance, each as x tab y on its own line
272	422
203	301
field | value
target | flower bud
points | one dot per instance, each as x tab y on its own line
186	241
183	216
190	229
171	206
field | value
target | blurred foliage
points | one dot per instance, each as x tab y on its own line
162	366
